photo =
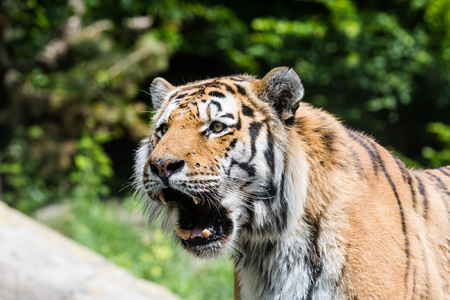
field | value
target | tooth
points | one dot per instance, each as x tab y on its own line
185	234
195	201
162	198
206	233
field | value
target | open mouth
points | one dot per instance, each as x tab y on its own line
201	222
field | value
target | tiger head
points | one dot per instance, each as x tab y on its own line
215	162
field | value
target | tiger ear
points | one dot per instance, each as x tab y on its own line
159	89
283	90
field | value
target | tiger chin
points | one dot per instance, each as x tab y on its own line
306	207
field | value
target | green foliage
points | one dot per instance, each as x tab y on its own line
441	157
369	67
85	180
92	167
70	92
29	193
35	22
146	252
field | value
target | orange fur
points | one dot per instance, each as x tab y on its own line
361	203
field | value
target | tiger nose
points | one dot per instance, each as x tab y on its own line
165	169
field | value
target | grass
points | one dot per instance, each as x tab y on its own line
110	229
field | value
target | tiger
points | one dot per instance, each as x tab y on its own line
305	207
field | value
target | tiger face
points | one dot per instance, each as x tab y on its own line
214	160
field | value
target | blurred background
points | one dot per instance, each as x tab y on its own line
74	99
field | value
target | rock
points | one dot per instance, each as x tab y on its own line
37	263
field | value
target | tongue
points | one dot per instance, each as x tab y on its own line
197	232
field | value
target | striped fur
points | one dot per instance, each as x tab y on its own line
313	210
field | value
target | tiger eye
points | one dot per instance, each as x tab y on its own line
217	127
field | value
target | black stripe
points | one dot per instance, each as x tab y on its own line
270	190
402	216
441	183
444	188
229	116
229	88
423	192
400	208
254	130
374	148
358	162
289	121
284	205
194	87
249	208
216	94
371	154
177	97
327	139
377	155
238	124
200	87
246	184
216	103
183	105
247	111
412	190
233	143
249	168
401	166
269	152
194	104
239	79
313	257
200	92
444	172
406	177
181	96
241	90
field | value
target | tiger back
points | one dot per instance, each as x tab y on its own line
307	208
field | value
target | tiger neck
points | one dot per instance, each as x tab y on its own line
323	143
317	165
